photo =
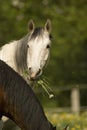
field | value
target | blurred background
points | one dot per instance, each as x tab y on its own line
66	72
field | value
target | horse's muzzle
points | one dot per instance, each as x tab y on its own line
35	76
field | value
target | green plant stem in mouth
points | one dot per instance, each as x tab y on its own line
45	85
42	83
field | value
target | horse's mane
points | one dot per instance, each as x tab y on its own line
37	32
21	53
21	99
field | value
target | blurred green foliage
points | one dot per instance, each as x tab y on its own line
68	62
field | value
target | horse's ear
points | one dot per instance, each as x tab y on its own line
31	25
48	26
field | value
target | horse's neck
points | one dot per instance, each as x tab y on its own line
27	116
7	54
10	53
25	119
11	112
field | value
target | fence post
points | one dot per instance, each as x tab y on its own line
75	100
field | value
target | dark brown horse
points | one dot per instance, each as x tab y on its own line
19	103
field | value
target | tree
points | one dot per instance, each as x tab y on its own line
68	62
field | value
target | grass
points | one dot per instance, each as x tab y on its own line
75	122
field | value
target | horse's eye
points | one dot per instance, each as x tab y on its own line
48	46
50	36
27	46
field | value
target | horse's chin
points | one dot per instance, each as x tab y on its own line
32	81
35	78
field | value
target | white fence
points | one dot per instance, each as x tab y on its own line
75	93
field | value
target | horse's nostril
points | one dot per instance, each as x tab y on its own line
29	68
38	72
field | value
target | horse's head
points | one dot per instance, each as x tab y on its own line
38	49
